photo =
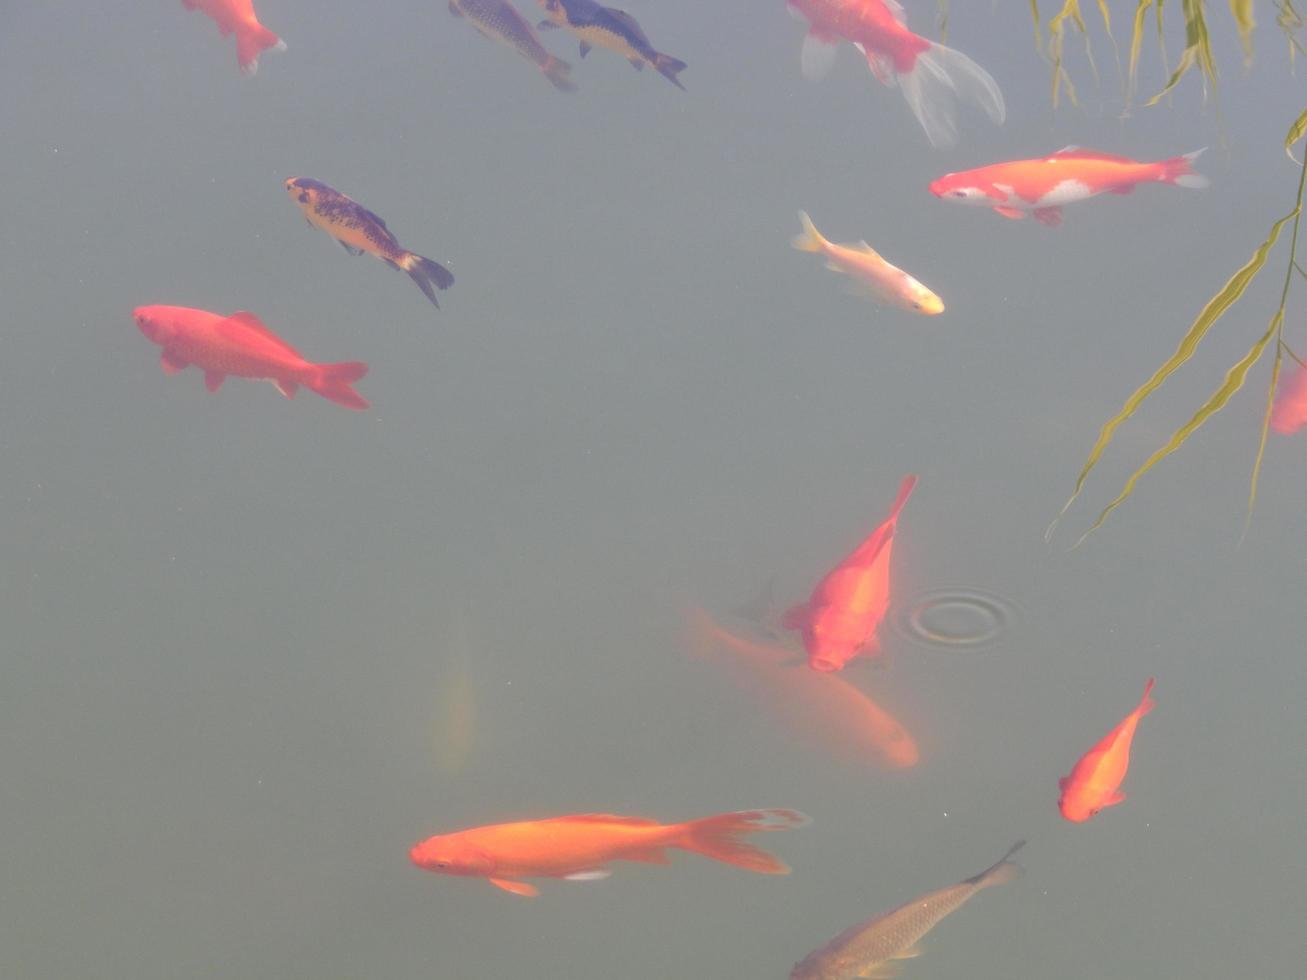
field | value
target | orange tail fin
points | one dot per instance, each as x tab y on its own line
252	41
335	383
1180	171
718	838
1146	703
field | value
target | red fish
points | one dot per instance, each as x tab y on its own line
578	847
1095	781
1290	412
823	708
241	345
839	620
238	17
931	76
1071	174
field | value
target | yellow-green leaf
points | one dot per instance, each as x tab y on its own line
1197	49
1136	41
1276	323
1234	379
1243	18
1296	132
1215	308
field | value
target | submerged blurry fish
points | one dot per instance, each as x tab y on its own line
931	76
1095	781
822	708
577	847
1290	412
607	27
500	21
884	282
456	711
359	230
237	16
839	620
1071	174
241	345
870	948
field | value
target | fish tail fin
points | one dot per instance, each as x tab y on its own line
810	239
335	383
559	73
1180	171
1146	703
718	837
1002	872
905	491
426	274
669	68
938	78
253	40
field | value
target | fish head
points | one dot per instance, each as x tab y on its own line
827	649
450	854
1074	806
918	298
154	322
960	188
305	191
554	8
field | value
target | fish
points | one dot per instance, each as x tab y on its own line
238	17
931	76
839	620
882	281
608	27
821	708
1073	173
359	230
1290	411
500	21
578	847
870	949
1095	781
241	345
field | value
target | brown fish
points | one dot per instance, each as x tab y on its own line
869	949
500	21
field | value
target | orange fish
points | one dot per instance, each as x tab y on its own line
237	16
823	708
577	847
1290	412
241	345
1095	781
839	620
1071	174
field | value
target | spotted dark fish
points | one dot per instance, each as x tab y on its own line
607	27
500	21
359	230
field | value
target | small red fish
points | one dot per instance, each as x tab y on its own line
839	620
1290	412
241	345
578	847
238	16
1071	174
1095	781
931	76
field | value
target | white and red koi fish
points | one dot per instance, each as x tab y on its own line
931	76
1041	187
1290	412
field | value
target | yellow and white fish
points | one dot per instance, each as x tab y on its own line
883	281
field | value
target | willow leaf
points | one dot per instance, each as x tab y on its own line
1277	322
1296	132
1234	379
1243	18
1215	308
1197	50
1136	41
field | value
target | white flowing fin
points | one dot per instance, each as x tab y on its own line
940	77
817	57
882	66
897	10
599	874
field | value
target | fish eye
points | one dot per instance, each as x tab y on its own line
916	306
304	197
959	193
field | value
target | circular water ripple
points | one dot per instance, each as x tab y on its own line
957	620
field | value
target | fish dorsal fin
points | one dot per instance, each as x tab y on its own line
1080	153
604	818
628	23
866	249
373	216
897	10
248	321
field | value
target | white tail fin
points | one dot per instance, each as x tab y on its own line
809	240
939	78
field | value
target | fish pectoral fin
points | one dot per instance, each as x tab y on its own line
170	362
287	388
1123	189
794	617
817	56
514	887
213	380
879	971
546	25
649	855
595	874
453	9
911	953
637	63
350	248
1112	799
585	48
1049	216
1016	214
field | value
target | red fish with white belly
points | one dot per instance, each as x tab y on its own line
238	17
241	345
1042	187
